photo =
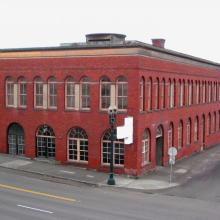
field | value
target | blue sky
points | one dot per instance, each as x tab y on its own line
189	26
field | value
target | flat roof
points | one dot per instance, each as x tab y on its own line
147	50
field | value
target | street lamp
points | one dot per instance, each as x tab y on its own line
112	111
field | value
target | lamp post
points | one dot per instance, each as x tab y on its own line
112	111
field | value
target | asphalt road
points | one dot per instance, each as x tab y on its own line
27	198
205	186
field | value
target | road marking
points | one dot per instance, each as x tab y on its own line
37	193
35	209
69	172
89	176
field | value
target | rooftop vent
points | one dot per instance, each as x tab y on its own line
105	38
158	42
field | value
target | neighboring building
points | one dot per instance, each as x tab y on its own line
54	102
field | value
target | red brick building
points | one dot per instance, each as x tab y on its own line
54	102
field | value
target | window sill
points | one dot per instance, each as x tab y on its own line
22	107
146	164
84	110
115	166
118	111
11	107
52	108
77	162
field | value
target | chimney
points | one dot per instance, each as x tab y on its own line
158	42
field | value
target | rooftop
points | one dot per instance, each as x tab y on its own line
114	41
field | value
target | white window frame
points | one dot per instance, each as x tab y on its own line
190	93
146	149
196	124
157	94
171	94
70	93
79	149
10	93
85	96
22	93
203	92
170	136
197	93
52	93
37	95
209	92
122	97
181	93
162	94
188	132
180	135
103	86
149	94
108	142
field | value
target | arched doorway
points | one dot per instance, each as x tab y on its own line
159	146
45	140
15	139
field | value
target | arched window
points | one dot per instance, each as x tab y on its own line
45	139
157	94
70	100
142	92
197	93
218	120
214	123
170	135
218	91
209	92
52	93
105	93
180	135
196	129
38	93
122	93
85	93
162	94
146	147
189	93
188	132
77	145
214	91
10	92
181	93
118	155
209	122
22	92
203	92
171	94
149	94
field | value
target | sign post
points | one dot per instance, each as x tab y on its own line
172	152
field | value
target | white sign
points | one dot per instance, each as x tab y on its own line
126	132
172	160
172	151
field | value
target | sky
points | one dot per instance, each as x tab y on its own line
189	26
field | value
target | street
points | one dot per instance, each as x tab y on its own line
26	198
202	187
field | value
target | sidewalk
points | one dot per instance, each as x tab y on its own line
159	179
